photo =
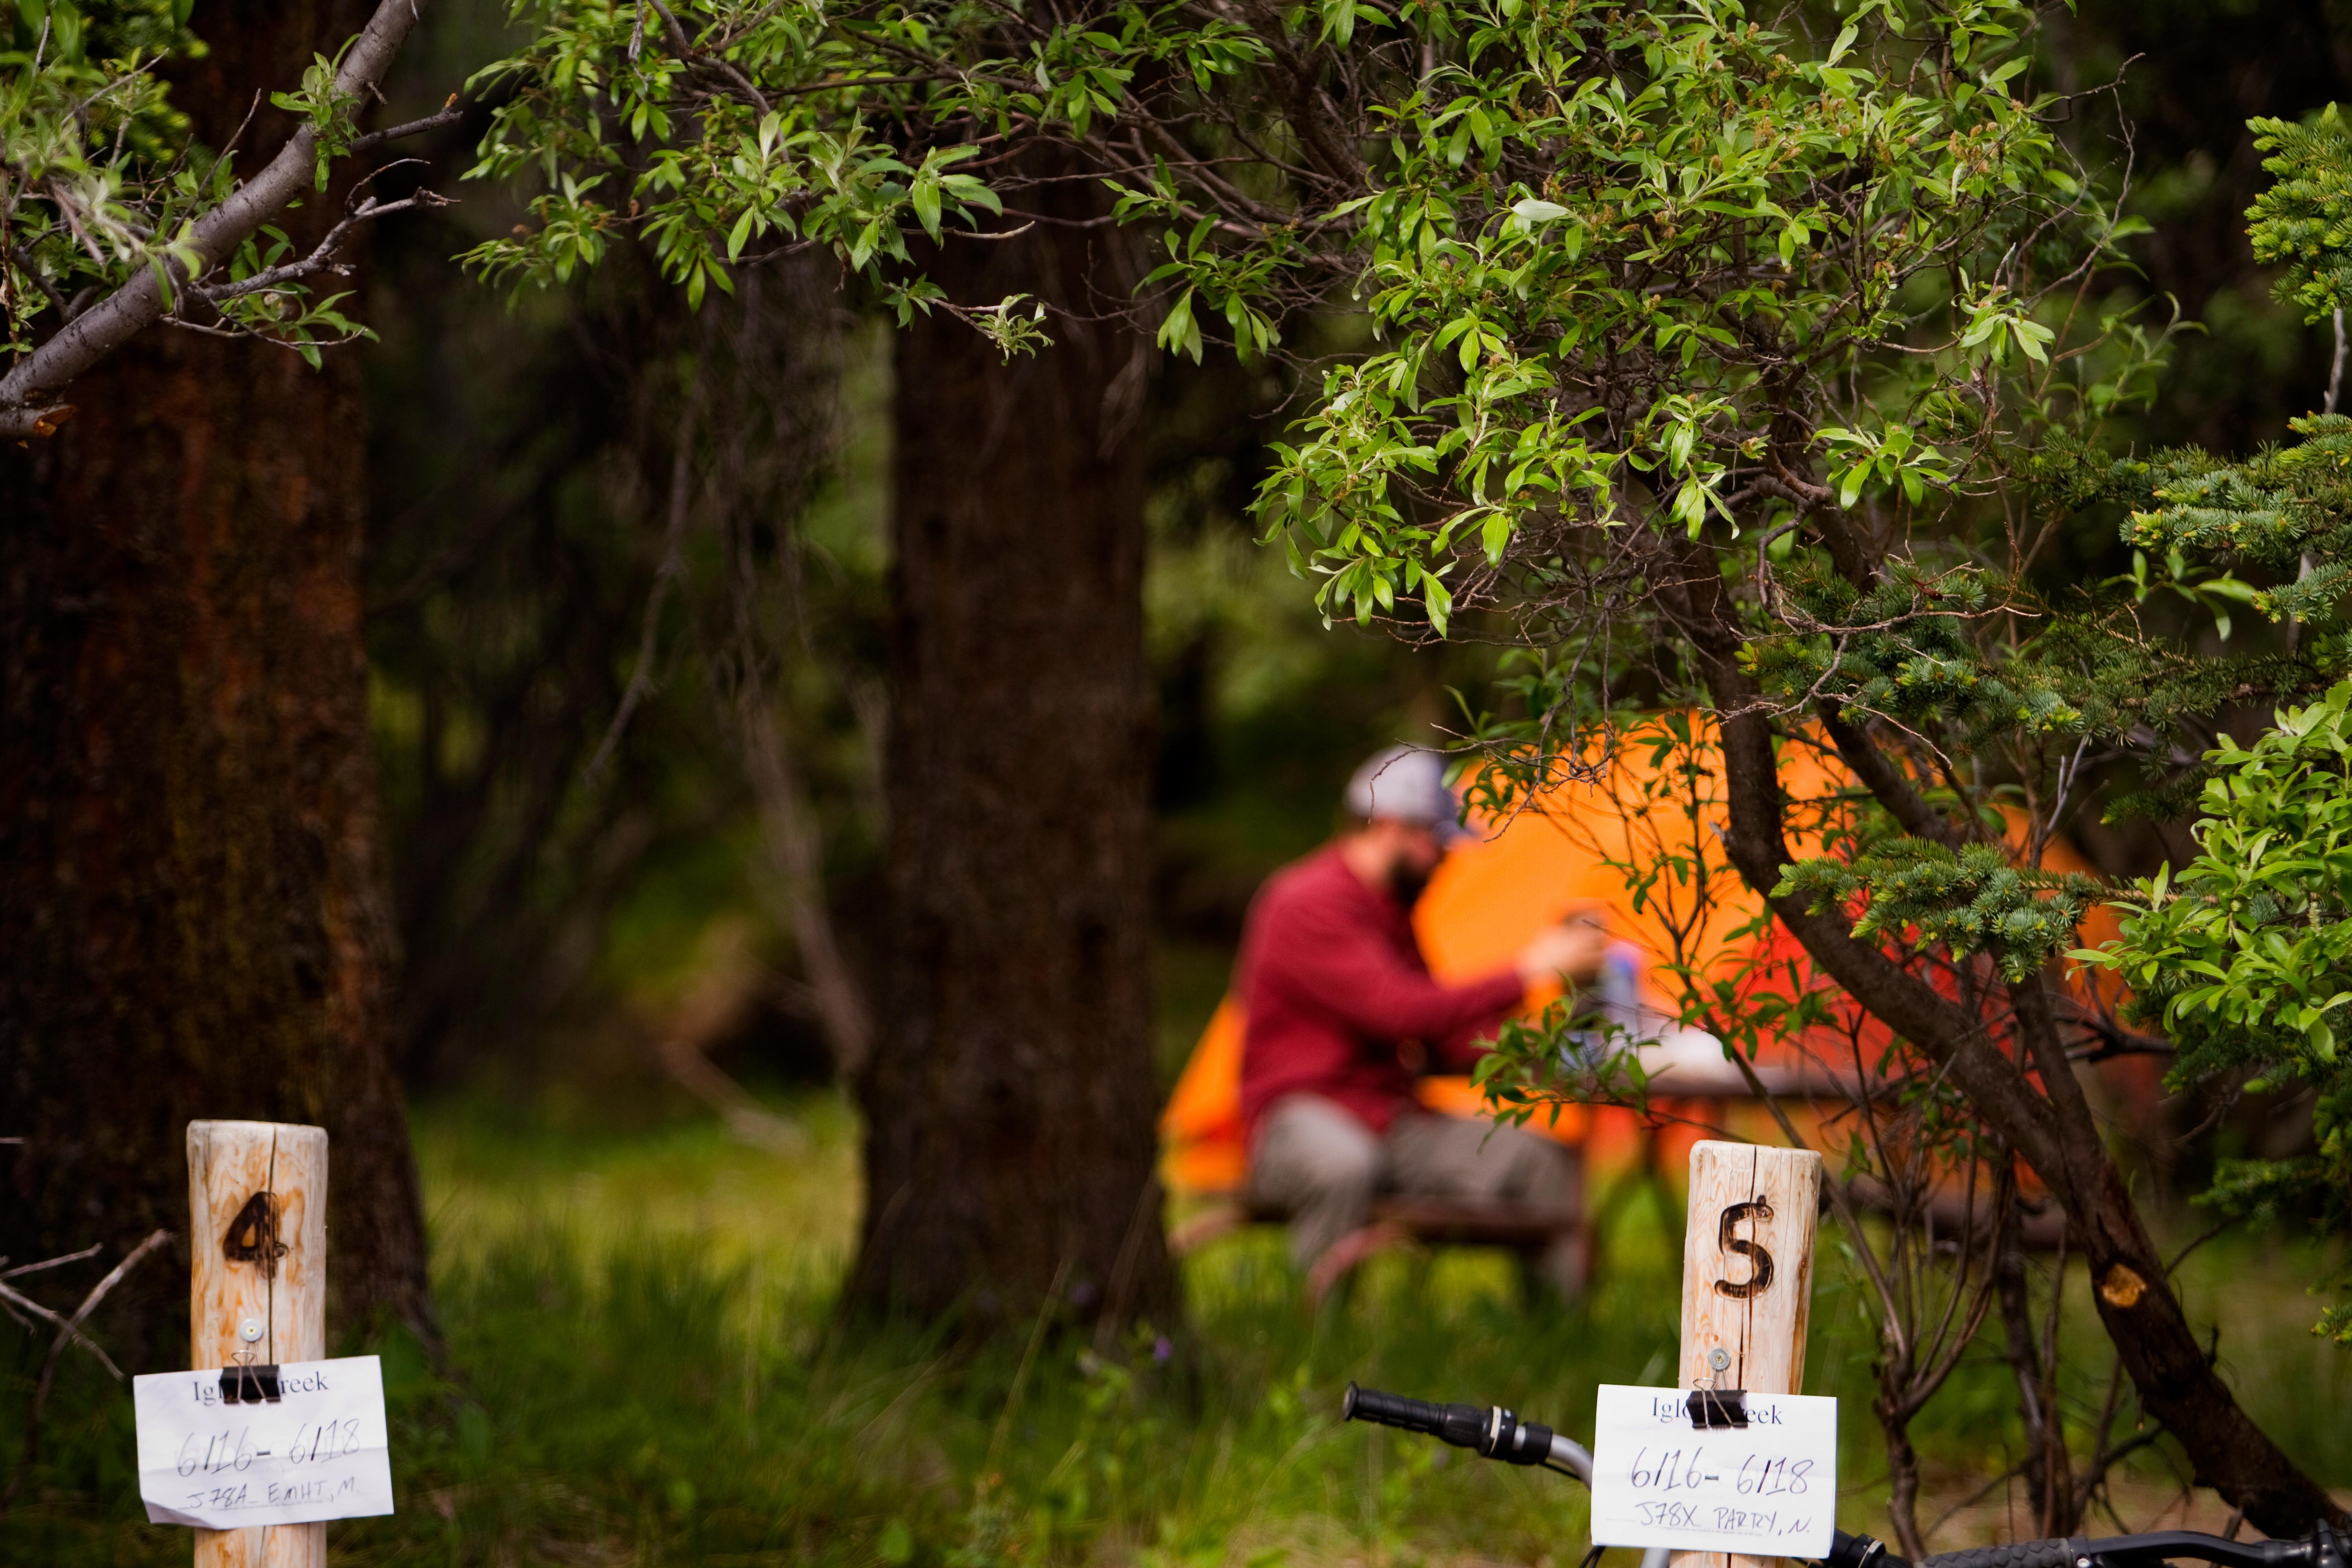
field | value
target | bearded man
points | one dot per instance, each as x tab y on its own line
1340	1012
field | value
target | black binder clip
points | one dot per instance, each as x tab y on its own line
249	1384
1712	1409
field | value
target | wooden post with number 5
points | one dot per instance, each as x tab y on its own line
1748	1279
258	1294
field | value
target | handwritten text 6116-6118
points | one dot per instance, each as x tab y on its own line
1766	1489
317	1452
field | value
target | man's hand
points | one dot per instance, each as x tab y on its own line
1570	951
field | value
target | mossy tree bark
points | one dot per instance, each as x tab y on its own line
2014	1071
1010	1095
196	922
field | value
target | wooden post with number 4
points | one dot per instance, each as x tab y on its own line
258	1294
1748	1279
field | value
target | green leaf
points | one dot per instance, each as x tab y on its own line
1850	484
1178	333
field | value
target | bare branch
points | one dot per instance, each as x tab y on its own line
320	259
449	114
65	1326
90	1251
68	1332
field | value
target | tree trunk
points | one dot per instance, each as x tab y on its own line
2048	1125
195	924
1009	1096
2047	1122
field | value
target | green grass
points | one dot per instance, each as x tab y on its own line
644	1370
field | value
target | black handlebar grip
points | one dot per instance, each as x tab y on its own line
2016	1554
1390	1410
1859	1552
1461	1425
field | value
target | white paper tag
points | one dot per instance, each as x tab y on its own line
321	1451
1767	1489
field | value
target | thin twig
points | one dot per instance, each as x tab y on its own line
90	1251
323	258
69	1332
449	114
2183	1256
641	675
24	261
1974	1498
2335	367
66	1325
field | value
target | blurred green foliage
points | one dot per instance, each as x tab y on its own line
523	462
482	412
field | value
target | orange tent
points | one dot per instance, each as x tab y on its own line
1572	846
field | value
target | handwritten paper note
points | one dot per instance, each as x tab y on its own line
320	1452
1767	1489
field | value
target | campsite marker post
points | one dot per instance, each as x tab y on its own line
257	1291
1748	1279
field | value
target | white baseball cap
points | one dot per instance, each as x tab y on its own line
1407	783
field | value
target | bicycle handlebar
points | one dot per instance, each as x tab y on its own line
1460	1425
2051	1553
1496	1434
1492	1431
2321	1548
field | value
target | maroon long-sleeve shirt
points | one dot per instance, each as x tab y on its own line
1332	983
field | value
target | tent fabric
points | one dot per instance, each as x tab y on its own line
1531	870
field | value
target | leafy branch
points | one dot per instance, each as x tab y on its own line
137	248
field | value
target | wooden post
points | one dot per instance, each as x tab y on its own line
1748	1279
257	1228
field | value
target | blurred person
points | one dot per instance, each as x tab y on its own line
1340	1011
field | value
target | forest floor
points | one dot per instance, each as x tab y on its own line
643	1368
